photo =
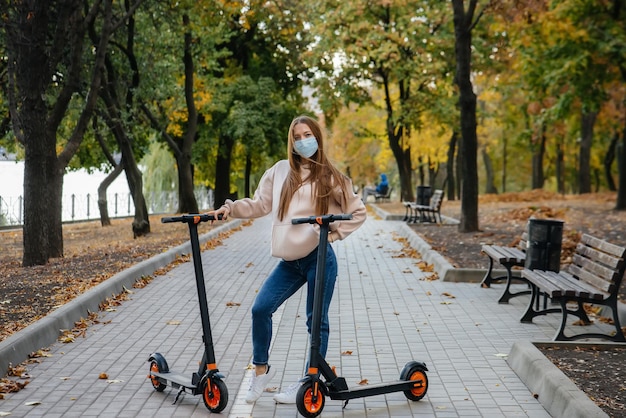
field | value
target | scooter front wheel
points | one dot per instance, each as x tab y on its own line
308	404
215	395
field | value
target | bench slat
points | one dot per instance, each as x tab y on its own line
545	282
582	289
586	276
504	254
604	246
608	260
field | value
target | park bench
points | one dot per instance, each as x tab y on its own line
593	277
383	197
425	213
508	257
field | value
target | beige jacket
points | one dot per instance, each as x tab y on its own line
292	242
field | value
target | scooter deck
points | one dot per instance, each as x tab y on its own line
375	389
176	379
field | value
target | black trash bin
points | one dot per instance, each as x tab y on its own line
544	244
423	195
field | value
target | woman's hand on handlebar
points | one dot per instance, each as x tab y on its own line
221	211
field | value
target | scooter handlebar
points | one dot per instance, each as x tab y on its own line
195	218
322	219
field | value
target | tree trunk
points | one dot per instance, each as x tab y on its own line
248	171
186	198
490	187
504	161
102	195
620	204
141	221
27	68
187	202
467	104
451	166
403	159
36	190
584	159
539	150
222	170
608	162
560	167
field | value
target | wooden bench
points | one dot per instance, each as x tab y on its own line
508	257
594	276
425	213
384	197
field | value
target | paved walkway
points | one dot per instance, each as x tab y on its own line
384	314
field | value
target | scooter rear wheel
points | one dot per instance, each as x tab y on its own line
304	400
215	395
156	383
415	371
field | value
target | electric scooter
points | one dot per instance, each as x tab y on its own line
311	395
207	381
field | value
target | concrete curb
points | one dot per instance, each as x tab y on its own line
45	331
556	392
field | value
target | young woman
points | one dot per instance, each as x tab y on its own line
306	184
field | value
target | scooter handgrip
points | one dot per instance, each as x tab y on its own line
191	218
170	219
323	218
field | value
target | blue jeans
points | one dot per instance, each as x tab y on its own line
282	283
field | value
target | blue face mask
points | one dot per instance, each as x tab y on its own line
306	147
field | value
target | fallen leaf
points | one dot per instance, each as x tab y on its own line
39	353
451	296
32	403
173	322
233	304
114	381
103	376
501	355
363	382
347	353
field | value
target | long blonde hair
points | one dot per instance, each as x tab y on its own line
323	175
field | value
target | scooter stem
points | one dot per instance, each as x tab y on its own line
209	354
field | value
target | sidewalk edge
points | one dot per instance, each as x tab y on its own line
554	390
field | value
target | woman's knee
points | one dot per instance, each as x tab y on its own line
261	309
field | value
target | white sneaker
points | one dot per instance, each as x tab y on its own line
258	384
289	395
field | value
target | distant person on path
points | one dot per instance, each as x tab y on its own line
306	184
381	188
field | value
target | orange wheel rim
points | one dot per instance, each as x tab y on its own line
419	388
308	401
212	397
154	379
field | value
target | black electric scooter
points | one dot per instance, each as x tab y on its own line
207	381
311	394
